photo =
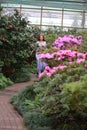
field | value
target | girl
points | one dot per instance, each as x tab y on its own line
40	44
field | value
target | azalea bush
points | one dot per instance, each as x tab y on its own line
66	53
65	65
83	47
66	42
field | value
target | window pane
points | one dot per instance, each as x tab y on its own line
31	15
72	19
51	17
9	11
86	20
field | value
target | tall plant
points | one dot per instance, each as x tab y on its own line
17	41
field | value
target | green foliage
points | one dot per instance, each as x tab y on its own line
19	100
73	104
21	75
50	96
1	63
83	47
36	121
68	126
17	41
32	68
47	91
53	30
61	98
50	39
25	73
74	96
4	82
51	35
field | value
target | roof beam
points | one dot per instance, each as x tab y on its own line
51	3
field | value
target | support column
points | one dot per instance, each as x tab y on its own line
41	17
62	19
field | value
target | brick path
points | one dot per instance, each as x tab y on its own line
9	118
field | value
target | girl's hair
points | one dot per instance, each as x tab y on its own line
39	37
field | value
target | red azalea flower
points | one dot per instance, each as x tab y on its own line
10	26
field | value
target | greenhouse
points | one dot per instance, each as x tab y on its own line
43	64
48	13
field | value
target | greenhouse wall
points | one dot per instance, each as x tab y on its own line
50	17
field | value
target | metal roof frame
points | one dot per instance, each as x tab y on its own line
66	4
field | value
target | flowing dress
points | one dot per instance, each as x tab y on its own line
41	64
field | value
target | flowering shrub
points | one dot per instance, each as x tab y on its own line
67	42
17	42
63	56
61	92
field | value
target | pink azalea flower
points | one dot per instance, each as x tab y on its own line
48	74
62	66
66	39
70	58
55	68
52	71
61	41
41	56
70	62
71	36
74	40
40	75
48	56
55	47
47	68
85	65
80	60
67	54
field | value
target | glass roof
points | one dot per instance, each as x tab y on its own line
67	4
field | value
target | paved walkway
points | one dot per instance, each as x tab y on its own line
9	118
